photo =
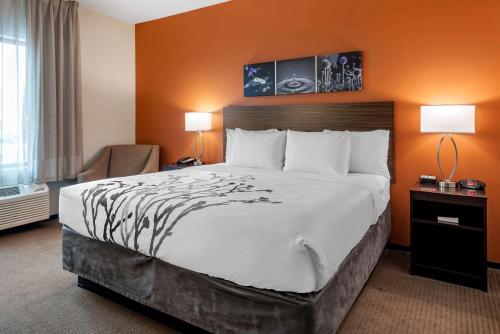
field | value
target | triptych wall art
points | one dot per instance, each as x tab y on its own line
318	74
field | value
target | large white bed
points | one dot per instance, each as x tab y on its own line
286	231
283	247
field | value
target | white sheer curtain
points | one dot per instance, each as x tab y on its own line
17	132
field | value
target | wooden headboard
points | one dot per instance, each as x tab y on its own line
363	116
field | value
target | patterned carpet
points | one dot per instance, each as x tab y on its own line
36	296
395	302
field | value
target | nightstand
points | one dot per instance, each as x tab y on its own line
450	252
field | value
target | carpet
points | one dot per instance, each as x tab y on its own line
37	296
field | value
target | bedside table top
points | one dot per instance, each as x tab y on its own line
452	192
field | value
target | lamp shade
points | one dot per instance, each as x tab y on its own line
198	121
448	119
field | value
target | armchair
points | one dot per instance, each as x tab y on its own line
122	160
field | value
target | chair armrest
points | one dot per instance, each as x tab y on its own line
153	163
98	170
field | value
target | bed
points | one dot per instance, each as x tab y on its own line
238	250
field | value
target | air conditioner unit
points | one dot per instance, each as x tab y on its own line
23	204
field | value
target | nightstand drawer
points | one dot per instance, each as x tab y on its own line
448	248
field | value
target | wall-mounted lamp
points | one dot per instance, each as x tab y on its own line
447	119
198	122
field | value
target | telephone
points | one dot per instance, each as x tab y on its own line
472	184
185	161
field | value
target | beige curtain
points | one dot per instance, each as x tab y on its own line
54	87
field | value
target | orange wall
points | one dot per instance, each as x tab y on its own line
415	52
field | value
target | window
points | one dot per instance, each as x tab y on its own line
12	109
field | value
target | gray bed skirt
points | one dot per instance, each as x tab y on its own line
219	306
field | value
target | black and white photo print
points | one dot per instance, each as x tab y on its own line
295	76
258	79
339	72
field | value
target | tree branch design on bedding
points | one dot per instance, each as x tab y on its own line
129	209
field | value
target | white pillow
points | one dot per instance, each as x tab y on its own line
229	143
230	139
318	152
369	150
258	149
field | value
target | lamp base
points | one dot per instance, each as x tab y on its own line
197	163
447	184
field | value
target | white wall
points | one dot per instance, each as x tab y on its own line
108	82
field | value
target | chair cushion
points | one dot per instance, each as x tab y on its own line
128	160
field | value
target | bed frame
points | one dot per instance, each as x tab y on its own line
219	306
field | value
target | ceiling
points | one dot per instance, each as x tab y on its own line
136	11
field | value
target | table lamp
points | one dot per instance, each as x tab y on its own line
447	119
198	122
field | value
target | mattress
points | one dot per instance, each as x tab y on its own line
265	229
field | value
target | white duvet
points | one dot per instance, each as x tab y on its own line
267	229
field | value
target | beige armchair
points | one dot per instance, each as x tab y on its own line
122	160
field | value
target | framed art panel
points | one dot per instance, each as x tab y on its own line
339	72
259	79
296	76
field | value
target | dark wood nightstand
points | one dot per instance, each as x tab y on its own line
450	252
